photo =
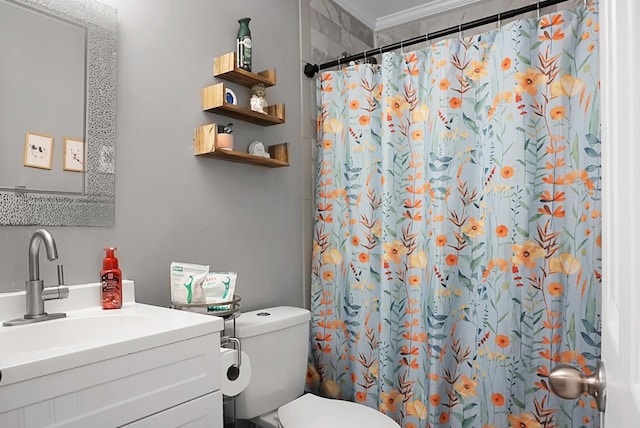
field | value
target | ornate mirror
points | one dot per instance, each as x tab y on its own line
57	112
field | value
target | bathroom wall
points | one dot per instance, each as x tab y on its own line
334	31
326	32
170	205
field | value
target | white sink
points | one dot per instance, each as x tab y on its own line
91	334
108	368
77	329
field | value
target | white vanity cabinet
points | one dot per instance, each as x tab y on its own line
168	386
203	412
159	368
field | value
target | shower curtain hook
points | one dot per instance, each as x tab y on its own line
499	21
538	9
402	47
460	30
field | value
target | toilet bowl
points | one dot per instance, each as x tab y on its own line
311	411
276	341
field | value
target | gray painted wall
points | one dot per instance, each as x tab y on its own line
170	205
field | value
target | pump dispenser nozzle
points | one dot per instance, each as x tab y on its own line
110	261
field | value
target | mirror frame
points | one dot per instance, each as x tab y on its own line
96	207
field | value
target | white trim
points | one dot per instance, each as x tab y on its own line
364	14
619	61
419	12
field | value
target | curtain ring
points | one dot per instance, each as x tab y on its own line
499	21
365	57
460	30
402	48
538	9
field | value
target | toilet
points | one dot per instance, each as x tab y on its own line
276	340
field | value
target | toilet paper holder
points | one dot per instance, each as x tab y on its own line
225	340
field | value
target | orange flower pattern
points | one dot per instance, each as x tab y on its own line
530	81
457	227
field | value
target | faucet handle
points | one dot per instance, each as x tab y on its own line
55	292
59	291
60	275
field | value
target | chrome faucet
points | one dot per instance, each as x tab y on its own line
36	293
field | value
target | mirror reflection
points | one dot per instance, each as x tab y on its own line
57	112
42	84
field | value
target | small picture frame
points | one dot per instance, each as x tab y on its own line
38	150
73	155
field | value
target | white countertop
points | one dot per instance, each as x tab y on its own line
89	333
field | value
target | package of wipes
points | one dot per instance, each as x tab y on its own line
186	282
219	288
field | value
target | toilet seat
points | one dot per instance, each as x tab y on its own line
312	411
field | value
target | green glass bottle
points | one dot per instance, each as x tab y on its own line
243	45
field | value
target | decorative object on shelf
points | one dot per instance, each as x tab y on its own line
243	45
256	148
230	97
227	129
258	101
225	139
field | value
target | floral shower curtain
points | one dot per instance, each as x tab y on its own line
457	231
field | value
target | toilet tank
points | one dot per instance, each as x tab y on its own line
276	340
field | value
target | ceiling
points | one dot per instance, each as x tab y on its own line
381	14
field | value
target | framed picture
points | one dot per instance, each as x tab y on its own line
38	150
73	155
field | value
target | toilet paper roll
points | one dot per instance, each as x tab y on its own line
234	379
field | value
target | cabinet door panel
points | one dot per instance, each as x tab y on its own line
203	412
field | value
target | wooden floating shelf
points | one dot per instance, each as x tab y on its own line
224	67
213	102
205	145
240	157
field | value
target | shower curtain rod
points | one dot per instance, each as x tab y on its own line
310	70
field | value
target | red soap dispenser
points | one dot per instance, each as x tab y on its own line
111	278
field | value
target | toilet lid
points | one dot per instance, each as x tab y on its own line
311	411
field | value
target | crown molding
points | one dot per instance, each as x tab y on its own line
355	8
419	12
